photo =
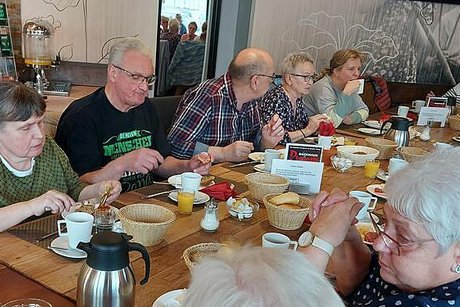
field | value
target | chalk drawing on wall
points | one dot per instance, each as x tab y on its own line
342	36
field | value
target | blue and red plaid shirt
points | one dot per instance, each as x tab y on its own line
208	114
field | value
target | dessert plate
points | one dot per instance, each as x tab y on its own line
170	298
369	131
374	189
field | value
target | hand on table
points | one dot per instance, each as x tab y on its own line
314	121
201	163
429	95
348	120
52	200
237	151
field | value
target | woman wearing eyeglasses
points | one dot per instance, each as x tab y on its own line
336	93
416	261
286	99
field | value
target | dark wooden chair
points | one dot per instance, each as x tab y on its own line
166	107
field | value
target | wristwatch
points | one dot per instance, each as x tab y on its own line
307	239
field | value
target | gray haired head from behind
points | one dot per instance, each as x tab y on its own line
259	277
122	46
428	193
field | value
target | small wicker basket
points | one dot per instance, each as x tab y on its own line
412	154
193	254
385	147
454	122
286	218
147	223
261	184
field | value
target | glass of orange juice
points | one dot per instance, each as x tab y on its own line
185	199
371	169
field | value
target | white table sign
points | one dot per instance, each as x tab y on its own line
305	176
432	114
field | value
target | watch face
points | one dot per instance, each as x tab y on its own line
305	239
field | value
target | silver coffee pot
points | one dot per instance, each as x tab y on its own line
106	278
398	130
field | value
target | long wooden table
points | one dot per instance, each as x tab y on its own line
168	271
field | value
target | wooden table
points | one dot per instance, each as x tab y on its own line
168	270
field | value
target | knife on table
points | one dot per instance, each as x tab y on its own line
157	194
244	163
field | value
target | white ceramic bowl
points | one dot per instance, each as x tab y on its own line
358	154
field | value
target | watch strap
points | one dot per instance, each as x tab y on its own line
323	245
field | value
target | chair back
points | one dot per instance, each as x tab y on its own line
166	107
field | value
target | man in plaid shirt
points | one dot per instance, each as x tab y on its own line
220	116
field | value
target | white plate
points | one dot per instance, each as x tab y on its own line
256	156
373	124
169	298
382	175
369	131
456	138
75	208
371	189
200	197
364	228
63	242
260	168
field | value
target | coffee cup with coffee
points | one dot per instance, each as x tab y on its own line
277	240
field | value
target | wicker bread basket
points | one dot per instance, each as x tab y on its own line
261	184
193	254
147	223
454	122
411	154
385	147
286	218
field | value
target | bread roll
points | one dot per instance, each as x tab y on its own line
290	206
286	198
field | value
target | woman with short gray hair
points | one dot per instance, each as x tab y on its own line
259	277
35	174
286	99
416	257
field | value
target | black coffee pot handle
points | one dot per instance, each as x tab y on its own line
145	255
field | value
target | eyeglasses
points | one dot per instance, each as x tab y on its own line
273	77
393	244
138	79
306	78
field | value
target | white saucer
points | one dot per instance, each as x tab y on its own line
169	298
456	138
256	156
371	189
369	131
63	242
413	110
372	124
382	175
200	197
260	168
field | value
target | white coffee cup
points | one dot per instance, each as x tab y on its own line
277	240
366	199
396	164
402	111
418	104
270	154
325	141
190	181
79	226
361	86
